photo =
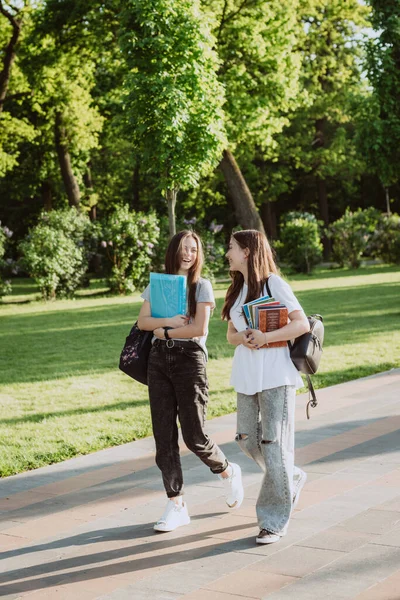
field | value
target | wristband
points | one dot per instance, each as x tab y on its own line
166	336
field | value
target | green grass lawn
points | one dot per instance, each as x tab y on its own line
62	394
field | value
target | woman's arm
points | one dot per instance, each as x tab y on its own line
148	323
298	325
198	328
236	338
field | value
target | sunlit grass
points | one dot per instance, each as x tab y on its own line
62	395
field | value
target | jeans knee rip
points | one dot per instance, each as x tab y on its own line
268	441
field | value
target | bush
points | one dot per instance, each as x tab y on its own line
56	251
385	241
351	235
5	286
129	240
299	242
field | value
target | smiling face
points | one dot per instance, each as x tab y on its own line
189	252
237	256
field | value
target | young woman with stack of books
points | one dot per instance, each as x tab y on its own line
264	376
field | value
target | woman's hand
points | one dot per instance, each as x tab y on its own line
256	338
177	321
159	333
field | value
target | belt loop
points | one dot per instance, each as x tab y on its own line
170	343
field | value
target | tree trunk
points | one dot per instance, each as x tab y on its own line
64	158
9	55
322	194
88	181
245	208
387	201
268	215
171	201
47	196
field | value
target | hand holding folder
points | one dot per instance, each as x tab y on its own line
167	295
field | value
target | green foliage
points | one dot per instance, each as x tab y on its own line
299	245
351	234
129	241
260	64
56	252
318	139
5	233
174	100
385	240
379	134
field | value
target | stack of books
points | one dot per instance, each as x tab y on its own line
266	314
167	295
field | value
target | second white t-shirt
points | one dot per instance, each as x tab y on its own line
256	370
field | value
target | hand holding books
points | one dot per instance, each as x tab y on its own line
266	314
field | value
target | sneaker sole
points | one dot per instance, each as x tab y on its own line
164	529
297	497
238	502
267	542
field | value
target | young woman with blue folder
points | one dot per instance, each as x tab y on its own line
178	386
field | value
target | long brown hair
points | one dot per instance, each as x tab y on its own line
260	265
173	259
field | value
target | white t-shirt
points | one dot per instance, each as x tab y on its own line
256	370
204	293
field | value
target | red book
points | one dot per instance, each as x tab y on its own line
270	319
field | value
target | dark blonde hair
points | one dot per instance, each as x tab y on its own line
260	265
173	260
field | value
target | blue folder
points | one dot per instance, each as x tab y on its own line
167	295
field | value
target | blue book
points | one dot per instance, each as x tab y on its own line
167	295
246	308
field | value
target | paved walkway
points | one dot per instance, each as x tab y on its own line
82	529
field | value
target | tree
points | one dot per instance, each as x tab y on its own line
317	147
174	101
13	129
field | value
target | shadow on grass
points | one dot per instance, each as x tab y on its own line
63	343
38	417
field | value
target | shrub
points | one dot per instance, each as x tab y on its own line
129	240
299	242
56	252
5	286
385	241
351	235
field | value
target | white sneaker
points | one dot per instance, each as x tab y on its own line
174	516
266	537
299	487
233	487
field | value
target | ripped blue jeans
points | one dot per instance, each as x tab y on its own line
265	432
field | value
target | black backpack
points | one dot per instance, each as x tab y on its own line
306	351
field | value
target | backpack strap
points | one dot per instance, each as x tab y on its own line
313	402
268	288
313	399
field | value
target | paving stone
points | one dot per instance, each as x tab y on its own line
339	538
347	577
384	590
373	521
248	582
297	561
